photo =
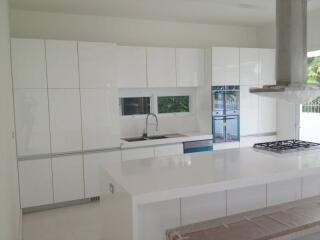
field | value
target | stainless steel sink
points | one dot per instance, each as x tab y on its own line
137	139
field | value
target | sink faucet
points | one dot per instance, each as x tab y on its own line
147	123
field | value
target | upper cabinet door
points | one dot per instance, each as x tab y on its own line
100	119
249	66
97	65
28	63
161	65
190	67
267	67
32	121
131	67
65	120
62	64
225	66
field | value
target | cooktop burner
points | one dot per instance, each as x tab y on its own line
286	146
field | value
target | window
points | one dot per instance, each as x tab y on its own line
135	105
313	71
173	104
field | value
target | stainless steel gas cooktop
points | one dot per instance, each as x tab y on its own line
286	146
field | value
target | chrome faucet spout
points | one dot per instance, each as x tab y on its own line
147	123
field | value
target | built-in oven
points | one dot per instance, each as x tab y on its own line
225	113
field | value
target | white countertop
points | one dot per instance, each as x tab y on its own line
165	178
185	137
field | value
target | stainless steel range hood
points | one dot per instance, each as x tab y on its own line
291	57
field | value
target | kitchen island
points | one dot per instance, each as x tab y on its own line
143	198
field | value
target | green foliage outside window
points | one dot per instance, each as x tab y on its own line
313	70
173	104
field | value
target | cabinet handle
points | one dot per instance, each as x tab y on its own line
111	188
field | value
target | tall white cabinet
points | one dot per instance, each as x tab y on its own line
161	65
225	66
131	67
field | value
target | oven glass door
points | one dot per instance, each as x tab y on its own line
219	129
232	100
232	128
218	100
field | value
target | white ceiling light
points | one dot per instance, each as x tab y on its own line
291	55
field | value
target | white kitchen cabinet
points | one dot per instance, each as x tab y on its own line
283	191
267	67
68	182
161	67
246	199
92	163
137	153
310	186
35	181
226	145
249	112
131	67
190	67
267	115
249	66
65	120
203	207
32	121
156	218
28	63
225	66
168	150
100	119
97	65
62	64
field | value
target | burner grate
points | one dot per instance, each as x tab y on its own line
286	145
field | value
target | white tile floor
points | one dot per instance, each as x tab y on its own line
80	222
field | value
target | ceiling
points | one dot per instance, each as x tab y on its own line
239	12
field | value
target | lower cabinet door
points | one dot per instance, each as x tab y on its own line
155	218
246	199
68	183
283	191
92	163
311	186
204	207
35	180
167	150
137	153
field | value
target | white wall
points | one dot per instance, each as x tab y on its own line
9	199
31	24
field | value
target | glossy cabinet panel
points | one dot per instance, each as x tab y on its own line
267	67
284	191
65	120
68	182
267	115
97	65
28	63
167	150
92	163
190	67
100	119
35	180
203	207
246	199
311	186
225	66
154	219
249	112
62	64
249	66
32	121
161	65
131	67
137	153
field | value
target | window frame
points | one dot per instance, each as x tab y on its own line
136	96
